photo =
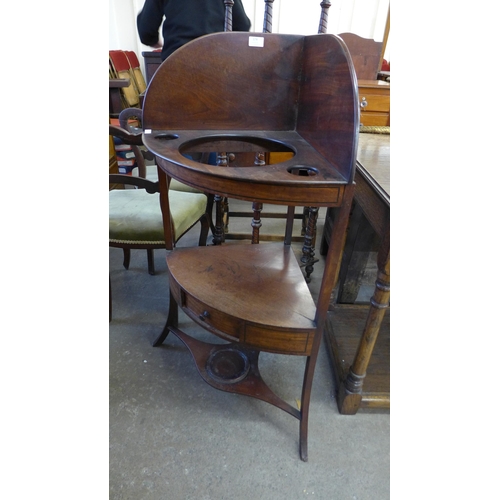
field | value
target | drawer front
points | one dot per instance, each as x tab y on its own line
278	341
375	119
374	102
223	325
270	339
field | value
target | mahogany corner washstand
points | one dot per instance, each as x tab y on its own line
248	92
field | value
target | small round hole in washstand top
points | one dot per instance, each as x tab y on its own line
302	171
166	137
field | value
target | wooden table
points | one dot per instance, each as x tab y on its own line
358	336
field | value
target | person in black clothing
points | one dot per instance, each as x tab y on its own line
185	20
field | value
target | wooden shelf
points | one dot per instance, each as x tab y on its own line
254	294
343	331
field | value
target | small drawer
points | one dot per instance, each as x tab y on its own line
279	341
375	119
370	102
222	324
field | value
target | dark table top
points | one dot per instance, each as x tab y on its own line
373	162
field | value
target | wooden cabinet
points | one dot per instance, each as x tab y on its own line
152	61
375	102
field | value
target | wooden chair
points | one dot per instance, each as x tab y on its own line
135	69
130	119
142	219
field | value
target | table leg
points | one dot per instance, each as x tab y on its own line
350	391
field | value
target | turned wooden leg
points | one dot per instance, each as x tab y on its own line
256	222
308	248
219	222
350	391
220	207
259	161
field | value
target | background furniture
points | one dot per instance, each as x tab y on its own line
152	61
126	80
375	102
115	96
374	94
357	335
135	215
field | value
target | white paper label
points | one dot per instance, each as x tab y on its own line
256	41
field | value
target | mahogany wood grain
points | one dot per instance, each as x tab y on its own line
246	276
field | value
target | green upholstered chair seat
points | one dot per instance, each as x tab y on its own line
135	215
179	186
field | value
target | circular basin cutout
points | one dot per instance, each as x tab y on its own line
235	144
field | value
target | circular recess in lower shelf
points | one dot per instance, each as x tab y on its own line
228	366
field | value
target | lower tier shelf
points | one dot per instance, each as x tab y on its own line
343	331
253	294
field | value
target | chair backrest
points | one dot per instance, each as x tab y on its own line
122	69
136	70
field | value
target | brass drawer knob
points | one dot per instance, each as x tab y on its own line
205	315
